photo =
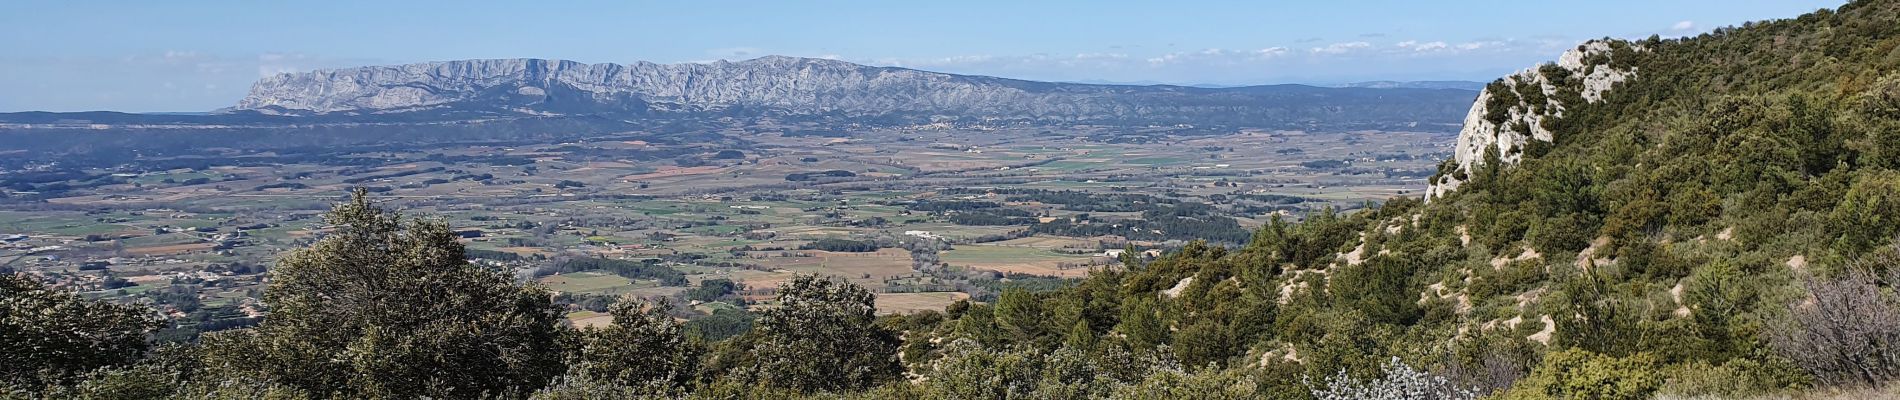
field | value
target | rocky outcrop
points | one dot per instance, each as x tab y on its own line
1517	109
804	86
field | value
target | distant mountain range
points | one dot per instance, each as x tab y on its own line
1464	85
777	85
528	100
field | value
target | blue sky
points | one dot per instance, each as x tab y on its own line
189	55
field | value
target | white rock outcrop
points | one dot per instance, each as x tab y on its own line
1587	70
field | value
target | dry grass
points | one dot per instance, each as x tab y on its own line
1047	242
1888	392
672	172
1022	260
867	269
905	303
583	319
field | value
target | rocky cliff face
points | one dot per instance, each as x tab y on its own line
801	86
1517	109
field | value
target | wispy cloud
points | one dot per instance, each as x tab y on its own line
1683	26
1425	47
1326	61
1341	48
736	52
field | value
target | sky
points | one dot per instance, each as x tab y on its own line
199	55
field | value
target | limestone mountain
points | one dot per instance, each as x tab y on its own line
778	85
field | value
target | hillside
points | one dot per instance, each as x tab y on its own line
1651	207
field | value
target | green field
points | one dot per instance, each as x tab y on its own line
592	282
988	255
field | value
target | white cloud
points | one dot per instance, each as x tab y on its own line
177	55
1469	46
1341	48
962	59
1270	52
1682	26
1425	47
1215	56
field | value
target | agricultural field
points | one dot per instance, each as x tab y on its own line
923	216
1020	259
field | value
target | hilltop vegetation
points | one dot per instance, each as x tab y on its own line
1721	224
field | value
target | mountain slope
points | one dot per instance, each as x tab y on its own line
802	86
1639	217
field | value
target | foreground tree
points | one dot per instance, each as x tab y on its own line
388	307
822	336
50	337
645	349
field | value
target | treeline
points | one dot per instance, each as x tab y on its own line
631	269
993	217
1276	199
840	245
1089	202
950	205
397	174
1185	221
499	255
809	176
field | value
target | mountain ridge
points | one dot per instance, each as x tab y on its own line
809	86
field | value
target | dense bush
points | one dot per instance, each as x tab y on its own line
1580	374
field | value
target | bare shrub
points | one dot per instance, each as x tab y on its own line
1847	331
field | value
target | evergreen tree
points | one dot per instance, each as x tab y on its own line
822	337
50	337
644	348
385	306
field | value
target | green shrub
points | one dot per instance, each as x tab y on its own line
1581	374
